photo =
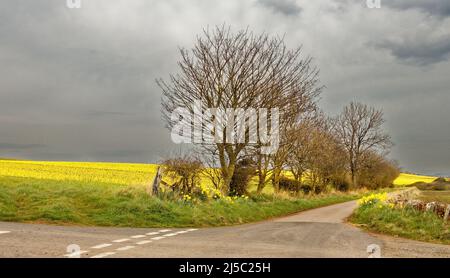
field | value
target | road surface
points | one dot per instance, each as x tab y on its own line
319	233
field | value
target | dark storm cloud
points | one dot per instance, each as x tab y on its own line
420	52
286	7
79	84
433	7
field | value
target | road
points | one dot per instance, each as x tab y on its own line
315	233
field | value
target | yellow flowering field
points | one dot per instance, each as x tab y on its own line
116	173
408	179
110	173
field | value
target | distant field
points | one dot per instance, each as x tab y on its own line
103	173
432	196
408	179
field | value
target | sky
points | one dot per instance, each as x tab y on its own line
79	84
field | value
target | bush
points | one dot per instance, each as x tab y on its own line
377	172
290	185
184	171
440	184
440	180
341	183
244	171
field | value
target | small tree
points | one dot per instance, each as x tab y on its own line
377	172
184	171
359	130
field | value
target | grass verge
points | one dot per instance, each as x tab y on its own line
432	196
106	204
407	223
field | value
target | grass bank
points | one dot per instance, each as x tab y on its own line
407	223
432	196
105	204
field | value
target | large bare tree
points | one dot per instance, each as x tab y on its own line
359	129
239	70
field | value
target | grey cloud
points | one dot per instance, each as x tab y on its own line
286	7
82	81
94	114
420	52
433	7
19	147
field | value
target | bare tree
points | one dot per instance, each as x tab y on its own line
238	70
185	171
359	129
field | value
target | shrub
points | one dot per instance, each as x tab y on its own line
287	184
377	172
290	185
184	171
440	184
341	182
244	171
440	180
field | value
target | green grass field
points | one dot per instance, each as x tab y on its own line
113	194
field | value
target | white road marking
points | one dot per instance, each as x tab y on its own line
152	233
191	230
75	254
138	236
143	242
4	232
157	238
121	240
100	246
163	231
181	232
102	255
172	234
125	248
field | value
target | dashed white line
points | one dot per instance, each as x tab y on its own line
163	231
125	248
100	246
121	240
181	232
4	232
152	233
157	238
191	230
143	242
172	234
138	236
102	255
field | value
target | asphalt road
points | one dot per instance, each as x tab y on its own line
315	233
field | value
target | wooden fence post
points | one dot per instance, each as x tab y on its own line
447	212
154	188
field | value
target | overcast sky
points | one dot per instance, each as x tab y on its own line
79	84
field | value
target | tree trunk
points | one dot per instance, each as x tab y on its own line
262	175
354	176
228	174
276	179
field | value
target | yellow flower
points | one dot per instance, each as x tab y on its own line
373	199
